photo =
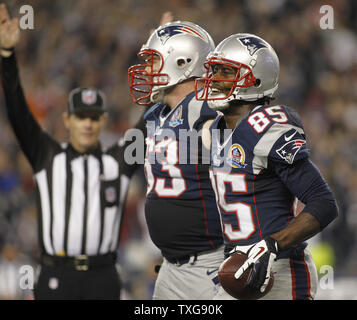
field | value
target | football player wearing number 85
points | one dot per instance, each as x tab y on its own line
180	207
261	168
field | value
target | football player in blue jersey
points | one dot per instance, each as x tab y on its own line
180	208
259	167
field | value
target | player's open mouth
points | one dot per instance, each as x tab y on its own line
217	90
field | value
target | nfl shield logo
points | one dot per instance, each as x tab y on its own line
89	96
110	194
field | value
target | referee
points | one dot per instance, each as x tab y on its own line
80	188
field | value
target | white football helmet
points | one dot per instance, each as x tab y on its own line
181	47
257	71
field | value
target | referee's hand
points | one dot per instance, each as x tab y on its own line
9	32
165	18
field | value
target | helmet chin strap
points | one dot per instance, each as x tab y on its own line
158	92
221	104
218	105
157	95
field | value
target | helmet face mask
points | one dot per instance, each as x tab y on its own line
144	77
220	85
257	73
174	53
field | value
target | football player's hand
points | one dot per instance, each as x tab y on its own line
260	259
9	31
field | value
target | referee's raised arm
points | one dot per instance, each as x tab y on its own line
34	142
80	188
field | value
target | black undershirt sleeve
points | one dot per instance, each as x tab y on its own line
34	142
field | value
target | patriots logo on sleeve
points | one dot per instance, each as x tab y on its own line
166	33
253	44
289	150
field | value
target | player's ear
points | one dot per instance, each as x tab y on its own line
104	119
65	117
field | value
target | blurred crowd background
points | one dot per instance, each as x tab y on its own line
92	43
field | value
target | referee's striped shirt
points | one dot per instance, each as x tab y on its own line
80	196
81	200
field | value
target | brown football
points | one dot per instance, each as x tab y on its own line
236	287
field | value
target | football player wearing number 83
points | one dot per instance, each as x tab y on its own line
260	170
180	208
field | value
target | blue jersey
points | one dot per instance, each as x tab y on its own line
180	207
249	172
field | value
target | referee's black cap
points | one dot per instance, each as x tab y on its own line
86	99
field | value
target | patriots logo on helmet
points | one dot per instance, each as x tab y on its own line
253	44
167	32
289	150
